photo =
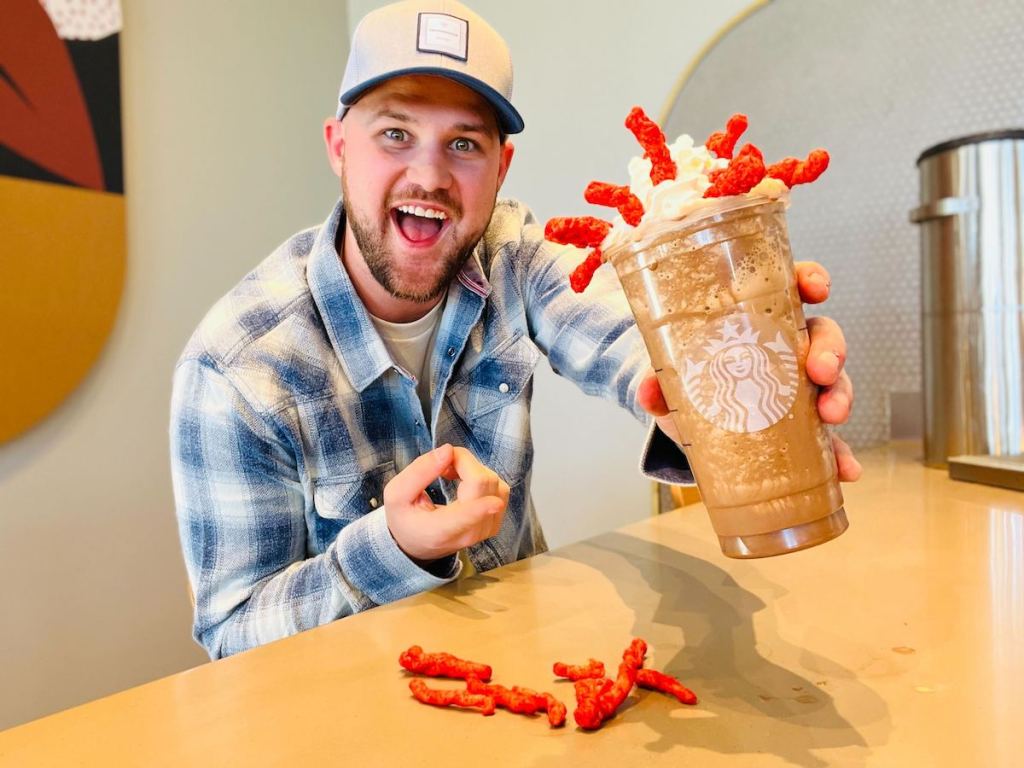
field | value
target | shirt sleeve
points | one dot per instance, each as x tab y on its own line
664	461
242	507
592	339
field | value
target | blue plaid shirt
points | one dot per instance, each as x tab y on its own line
289	417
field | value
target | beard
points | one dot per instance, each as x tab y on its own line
372	244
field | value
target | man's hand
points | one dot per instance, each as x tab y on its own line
427	532
825	360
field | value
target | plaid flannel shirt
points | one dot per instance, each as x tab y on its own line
289	417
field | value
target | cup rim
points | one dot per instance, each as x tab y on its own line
649	235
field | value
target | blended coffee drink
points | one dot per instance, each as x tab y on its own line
708	273
717	304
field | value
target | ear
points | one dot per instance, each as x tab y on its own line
334	140
507	151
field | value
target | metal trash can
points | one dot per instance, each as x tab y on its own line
972	295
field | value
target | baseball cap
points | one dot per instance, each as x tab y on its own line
431	37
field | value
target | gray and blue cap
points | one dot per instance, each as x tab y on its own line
431	37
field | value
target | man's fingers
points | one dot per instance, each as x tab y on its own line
503	494
650	396
474	520
652	399
503	490
475	479
407	485
827	353
846	463
813	282
423	501
836	402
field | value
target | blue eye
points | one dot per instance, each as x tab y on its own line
463	145
395	134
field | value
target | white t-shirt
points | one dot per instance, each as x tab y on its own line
410	345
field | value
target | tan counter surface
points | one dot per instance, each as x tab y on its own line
899	644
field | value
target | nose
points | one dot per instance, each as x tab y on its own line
429	170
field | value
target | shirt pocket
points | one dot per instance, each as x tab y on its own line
340	499
498	378
491	403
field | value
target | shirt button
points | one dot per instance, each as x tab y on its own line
503	387
451	352
374	503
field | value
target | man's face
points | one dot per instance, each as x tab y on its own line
420	162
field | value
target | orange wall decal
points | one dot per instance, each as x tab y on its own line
62	234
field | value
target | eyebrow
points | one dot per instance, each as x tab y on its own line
472	128
387	112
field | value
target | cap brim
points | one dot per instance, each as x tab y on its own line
509	119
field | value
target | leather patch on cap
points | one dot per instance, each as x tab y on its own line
444	34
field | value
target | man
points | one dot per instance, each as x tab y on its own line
350	424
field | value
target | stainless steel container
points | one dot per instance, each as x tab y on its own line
972	295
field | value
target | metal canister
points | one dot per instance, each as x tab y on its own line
972	295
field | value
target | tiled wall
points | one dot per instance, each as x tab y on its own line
874	83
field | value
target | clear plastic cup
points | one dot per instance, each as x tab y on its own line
716	300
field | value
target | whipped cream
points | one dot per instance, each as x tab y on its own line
679	197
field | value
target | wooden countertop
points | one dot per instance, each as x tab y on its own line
899	643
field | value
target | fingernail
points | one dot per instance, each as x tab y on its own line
830	358
437	452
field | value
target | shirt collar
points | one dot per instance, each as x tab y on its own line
355	340
472	274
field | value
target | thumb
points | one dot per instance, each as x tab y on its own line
407	485
650	397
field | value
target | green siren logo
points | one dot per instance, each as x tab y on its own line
736	382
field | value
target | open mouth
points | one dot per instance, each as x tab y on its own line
420	227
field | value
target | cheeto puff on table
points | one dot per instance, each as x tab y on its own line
899	643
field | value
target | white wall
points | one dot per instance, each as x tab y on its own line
579	68
222	112
222	106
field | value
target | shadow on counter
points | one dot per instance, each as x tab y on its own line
760	707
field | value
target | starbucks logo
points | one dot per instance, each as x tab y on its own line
737	382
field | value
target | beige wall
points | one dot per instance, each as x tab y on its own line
222	112
222	106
